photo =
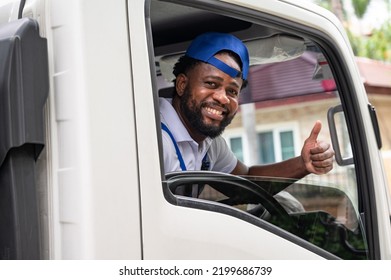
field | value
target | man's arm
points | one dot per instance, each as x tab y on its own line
316	157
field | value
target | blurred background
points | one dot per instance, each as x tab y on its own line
368	25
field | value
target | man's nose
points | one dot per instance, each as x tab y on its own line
221	96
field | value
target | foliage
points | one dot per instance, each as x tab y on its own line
324	3
376	46
360	7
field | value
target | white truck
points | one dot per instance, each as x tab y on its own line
81	169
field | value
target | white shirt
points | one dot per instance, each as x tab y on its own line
221	158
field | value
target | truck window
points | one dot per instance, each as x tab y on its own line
295	79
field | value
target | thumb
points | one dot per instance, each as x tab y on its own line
315	131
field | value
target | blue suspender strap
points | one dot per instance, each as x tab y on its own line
178	152
205	163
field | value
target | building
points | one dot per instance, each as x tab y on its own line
288	102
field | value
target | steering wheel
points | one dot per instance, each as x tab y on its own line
238	190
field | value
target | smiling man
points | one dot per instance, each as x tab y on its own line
209	78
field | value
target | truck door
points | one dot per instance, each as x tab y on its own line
302	70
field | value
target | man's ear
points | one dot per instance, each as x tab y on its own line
181	83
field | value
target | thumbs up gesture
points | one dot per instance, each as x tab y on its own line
317	155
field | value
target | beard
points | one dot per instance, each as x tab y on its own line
193	114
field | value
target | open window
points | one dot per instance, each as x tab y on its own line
295	79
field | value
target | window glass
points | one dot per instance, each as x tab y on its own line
287	147
237	147
266	152
296	88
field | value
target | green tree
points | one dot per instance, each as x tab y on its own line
360	7
336	6
377	45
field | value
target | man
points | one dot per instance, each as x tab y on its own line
208	81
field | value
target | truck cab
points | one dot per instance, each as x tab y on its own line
81	155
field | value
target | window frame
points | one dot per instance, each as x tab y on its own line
349	100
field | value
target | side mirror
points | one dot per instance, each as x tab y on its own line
342	149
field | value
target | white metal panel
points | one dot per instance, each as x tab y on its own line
8	10
186	233
152	200
94	180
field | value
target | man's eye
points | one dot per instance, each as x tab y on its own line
232	92
211	84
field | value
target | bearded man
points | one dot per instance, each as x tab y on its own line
209	78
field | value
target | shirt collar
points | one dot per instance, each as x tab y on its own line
170	117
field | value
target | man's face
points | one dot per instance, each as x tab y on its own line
209	97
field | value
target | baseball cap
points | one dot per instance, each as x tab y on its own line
206	45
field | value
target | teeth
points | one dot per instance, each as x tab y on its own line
213	111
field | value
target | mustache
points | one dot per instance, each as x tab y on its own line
216	105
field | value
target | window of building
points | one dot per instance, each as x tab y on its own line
272	145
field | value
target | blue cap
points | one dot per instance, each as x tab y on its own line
205	46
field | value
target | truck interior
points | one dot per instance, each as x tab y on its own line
292	82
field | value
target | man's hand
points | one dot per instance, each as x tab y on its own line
317	155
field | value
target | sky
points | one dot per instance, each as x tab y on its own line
378	12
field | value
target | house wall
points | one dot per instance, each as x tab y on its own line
307	113
382	104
